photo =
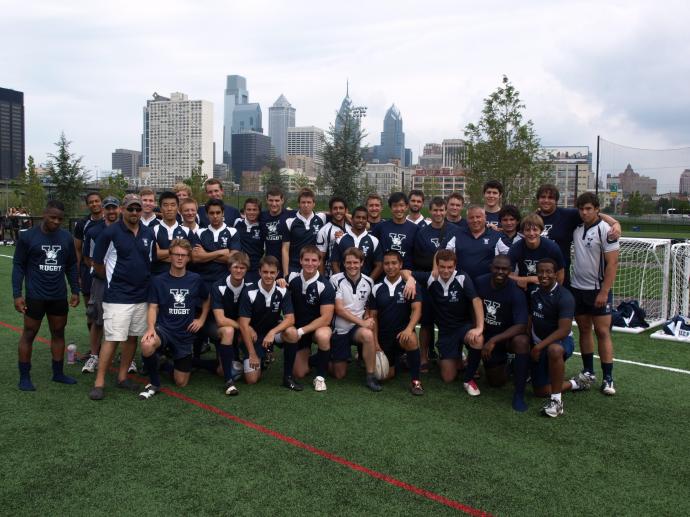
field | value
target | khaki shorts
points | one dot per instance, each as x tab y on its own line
121	320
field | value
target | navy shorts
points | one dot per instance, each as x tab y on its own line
36	309
179	348
499	355
450	342
341	344
391	347
259	350
540	369
584	302
305	341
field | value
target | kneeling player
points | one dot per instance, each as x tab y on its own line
552	308
265	314
505	328
396	318
173	300
352	326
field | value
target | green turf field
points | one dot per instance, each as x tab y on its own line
66	455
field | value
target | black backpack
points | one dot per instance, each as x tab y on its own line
629	314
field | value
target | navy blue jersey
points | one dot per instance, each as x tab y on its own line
83	225
461	224
428	241
127	259
372	226
151	223
398	237
559	227
505	242
326	240
271	231
503	306
421	222
300	232
90	236
178	299
251	241
227	297
265	308
308	296
547	307
214	239
42	261
474	254
451	300
525	258
230	215
393	310
367	243
164	235
492	218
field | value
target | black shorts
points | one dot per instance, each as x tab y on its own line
584	302
341	345
499	355
305	341
36	309
179	348
450	342
391	347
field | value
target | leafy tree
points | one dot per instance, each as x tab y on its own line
115	185
272	176
343	158
67	174
196	182
301	181
635	206
501	146
31	189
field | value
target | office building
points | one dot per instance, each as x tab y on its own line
392	146
684	184
440	181
453	151
251	151
570	170
281	116
12	141
432	156
306	141
239	114
127	161
384	178
630	182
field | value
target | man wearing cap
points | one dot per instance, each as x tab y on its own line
123	257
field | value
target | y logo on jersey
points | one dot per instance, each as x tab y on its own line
396	242
491	311
225	241
365	249
179	307
452	296
51	263
436	242
531	266
547	229
272	229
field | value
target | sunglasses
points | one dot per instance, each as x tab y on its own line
134	209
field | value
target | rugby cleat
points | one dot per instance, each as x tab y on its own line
319	383
471	388
230	389
149	391
583	381
607	387
91	364
553	408
416	388
292	384
132	367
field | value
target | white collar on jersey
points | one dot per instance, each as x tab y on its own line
215	232
305	220
306	283
391	287
228	282
445	285
267	294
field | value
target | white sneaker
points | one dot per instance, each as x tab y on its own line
607	388
132	368
230	389
91	364
583	381
553	408
319	383
471	388
149	391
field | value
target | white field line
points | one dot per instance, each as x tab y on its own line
647	365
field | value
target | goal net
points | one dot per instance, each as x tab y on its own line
680	288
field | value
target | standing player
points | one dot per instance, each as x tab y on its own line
249	230
216	244
352	326
358	236
265	316
166	231
396	318
148	205
510	223
123	257
95	204
313	300
214	190
374	204
454	205
528	251
398	234
552	308
505	329
493	193
174	298
331	231
45	255
415	216
300	231
474	248
271	221
594	271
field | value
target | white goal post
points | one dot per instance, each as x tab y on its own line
680	288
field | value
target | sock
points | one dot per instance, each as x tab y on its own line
473	357
519	403
322	358
226	354
25	383
151	363
607	368
556	396
289	353
313	360
413	362
588	362
520	369
236	353
59	376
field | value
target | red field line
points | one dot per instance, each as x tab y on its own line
438	498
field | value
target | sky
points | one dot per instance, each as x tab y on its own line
618	69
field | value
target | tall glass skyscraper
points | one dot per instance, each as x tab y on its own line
392	138
281	116
11	133
239	114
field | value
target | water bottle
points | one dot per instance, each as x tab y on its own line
71	353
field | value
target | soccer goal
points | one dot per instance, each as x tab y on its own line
680	288
643	275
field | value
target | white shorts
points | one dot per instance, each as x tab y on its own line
121	320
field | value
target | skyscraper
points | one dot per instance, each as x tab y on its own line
177	133
11	133
239	114
453	150
128	161
306	141
250	152
684	184
281	116
392	138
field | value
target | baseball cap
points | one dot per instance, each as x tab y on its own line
111	201
131	199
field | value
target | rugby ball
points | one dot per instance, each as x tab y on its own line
382	366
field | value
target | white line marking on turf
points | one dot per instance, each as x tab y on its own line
7	256
655	366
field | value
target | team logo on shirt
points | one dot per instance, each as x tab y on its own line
531	266
50	261
452	296
589	241
491	311
436	241
401	298
363	294
396	242
256	234
145	240
547	229
486	241
311	299
272	229
276	306
365	249
224	239
540	306
179	296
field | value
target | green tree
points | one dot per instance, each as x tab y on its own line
272	176
301	181
343	158
196	182
503	147
31	189
67	174
635	206
115	185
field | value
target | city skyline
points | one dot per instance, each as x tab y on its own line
598	74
